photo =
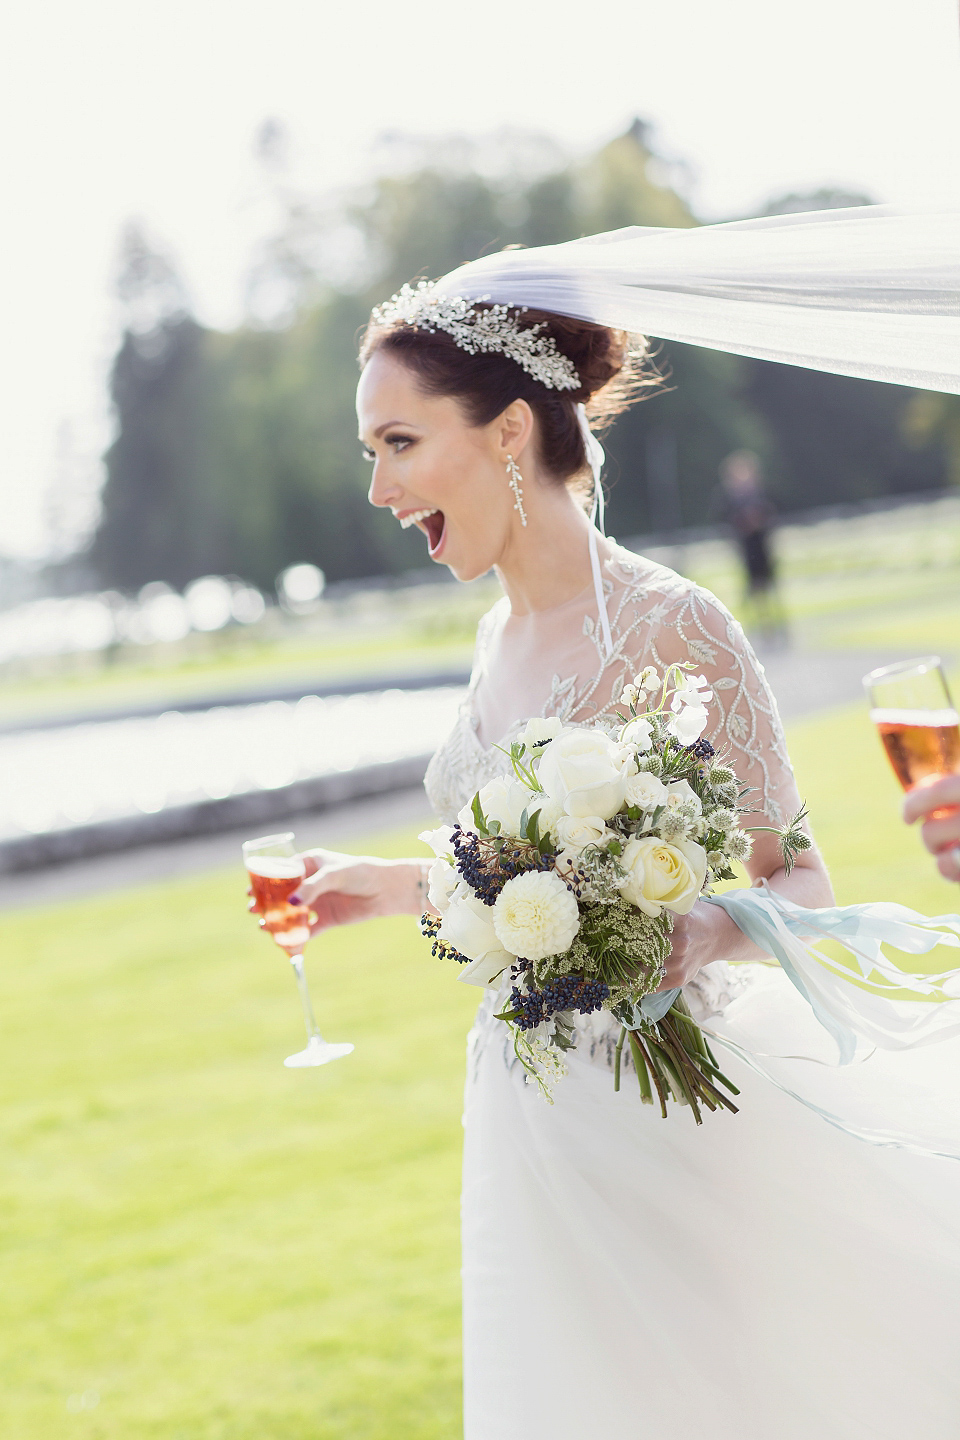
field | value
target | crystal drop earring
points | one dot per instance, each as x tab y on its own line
515	480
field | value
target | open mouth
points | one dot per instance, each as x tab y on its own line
431	522
435	525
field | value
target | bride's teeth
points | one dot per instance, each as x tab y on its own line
414	517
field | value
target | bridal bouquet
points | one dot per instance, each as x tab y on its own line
558	886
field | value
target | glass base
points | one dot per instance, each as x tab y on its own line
318	1052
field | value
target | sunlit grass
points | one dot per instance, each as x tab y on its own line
222	1249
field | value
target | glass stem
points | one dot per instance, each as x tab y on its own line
310	1019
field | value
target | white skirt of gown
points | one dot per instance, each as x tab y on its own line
761	1277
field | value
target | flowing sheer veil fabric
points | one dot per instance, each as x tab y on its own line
871	291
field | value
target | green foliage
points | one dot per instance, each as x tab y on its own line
237	453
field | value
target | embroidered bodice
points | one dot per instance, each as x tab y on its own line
656	618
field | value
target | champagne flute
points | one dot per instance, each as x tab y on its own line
911	707
276	870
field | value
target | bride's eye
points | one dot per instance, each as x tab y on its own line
367	453
399	443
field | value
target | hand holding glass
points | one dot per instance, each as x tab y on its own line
276	871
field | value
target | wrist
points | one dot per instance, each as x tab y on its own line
408	886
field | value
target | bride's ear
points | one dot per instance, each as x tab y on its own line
513	428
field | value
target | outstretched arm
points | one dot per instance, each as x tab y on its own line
344	889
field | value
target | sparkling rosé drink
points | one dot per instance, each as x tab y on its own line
273	879
920	744
275	871
911	707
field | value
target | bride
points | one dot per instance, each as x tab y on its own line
764	1277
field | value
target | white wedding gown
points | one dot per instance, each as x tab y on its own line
763	1277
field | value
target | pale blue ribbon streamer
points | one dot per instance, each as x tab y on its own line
841	1005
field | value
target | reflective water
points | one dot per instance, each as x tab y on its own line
52	779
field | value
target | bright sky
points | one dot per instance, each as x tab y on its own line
120	108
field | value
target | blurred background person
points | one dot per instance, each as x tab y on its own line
751	515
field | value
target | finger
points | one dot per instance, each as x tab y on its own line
948	863
941	833
317	857
935	796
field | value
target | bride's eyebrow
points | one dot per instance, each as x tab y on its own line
381	429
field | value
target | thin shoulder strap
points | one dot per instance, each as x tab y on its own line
596	457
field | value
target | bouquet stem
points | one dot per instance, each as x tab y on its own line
675	1056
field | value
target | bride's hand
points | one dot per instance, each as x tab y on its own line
343	889
706	934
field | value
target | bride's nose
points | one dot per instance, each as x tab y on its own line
383	491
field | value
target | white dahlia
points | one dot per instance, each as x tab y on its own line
536	915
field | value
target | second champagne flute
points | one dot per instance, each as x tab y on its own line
911	707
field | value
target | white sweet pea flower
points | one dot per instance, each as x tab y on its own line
538	730
465	819
688	724
584	772
662	875
468	926
646	791
438	840
638	734
442	880
680	793
536	915
692	690
574	833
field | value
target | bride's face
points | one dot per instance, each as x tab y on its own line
433	469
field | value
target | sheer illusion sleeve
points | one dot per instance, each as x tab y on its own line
659	618
744	719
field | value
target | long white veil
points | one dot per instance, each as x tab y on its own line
872	291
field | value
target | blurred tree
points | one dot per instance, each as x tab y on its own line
156	506
237	452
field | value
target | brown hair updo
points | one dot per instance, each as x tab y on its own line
613	368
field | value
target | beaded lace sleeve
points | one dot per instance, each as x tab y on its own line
656	618
659	618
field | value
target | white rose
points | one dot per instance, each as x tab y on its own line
575	832
536	915
680	793
689	724
663	875
442	879
638	733
646	791
505	799
584	773
538	730
468	927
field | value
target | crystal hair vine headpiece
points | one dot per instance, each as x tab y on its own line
492	328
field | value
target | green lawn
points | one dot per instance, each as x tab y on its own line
226	1250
